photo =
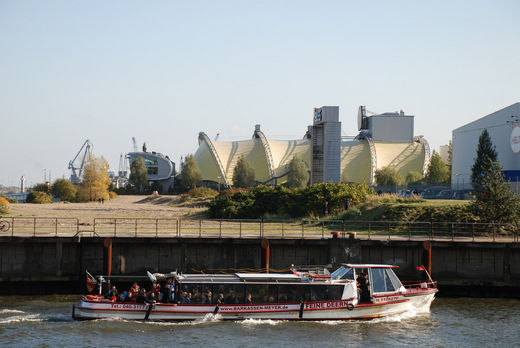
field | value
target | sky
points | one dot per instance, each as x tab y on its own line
163	71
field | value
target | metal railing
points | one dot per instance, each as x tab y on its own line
303	229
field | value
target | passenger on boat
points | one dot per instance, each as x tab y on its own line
362	283
209	296
130	297
220	299
249	299
195	298
120	298
141	296
152	298
134	290
187	298
112	292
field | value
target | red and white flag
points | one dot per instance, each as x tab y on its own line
420	268
91	282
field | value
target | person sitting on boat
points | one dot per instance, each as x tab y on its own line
362	283
195	298
249	299
220	299
129	297
141	296
112	292
120	298
134	290
187	298
152	298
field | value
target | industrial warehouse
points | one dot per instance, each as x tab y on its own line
503	127
384	140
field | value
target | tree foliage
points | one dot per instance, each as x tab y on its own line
41	187
190	173
387	176
298	202
138	174
485	153
298	175
438	172
95	180
64	189
243	173
4	205
495	202
38	197
414	178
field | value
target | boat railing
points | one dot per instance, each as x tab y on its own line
20	226
415	284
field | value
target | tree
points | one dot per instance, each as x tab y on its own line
41	187
64	189
485	152
95	180
298	175
138	174
243	174
495	202
190	173
438	172
414	178
387	176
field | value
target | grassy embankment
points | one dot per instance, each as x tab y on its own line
414	209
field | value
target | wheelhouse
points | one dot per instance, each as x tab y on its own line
381	278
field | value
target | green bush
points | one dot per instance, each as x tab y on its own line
314	200
38	197
202	192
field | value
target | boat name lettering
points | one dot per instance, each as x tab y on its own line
128	306
254	308
386	299
326	305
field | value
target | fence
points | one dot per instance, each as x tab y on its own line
306	229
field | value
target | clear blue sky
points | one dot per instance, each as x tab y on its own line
164	70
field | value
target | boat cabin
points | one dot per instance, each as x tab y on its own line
381	279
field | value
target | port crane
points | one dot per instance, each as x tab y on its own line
86	150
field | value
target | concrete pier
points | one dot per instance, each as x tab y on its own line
57	265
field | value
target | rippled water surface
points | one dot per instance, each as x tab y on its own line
45	321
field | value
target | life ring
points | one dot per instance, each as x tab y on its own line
94	297
350	306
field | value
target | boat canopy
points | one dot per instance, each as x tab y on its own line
368	265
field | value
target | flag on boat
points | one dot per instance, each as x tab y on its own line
420	268
91	282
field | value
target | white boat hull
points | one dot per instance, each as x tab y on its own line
318	310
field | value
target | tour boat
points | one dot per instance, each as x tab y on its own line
308	293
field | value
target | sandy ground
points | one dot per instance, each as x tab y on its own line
122	206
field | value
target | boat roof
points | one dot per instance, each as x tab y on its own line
368	265
239	277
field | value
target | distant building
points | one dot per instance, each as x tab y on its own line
384	140
160	168
444	153
503	127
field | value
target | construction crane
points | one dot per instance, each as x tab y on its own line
86	150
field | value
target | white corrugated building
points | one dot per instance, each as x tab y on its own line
384	140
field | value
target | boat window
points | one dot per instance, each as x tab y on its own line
378	279
396	283
326	292
197	293
384	280
262	293
294	292
343	273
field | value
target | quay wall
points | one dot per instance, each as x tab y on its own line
58	264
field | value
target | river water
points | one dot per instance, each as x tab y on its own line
45	321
